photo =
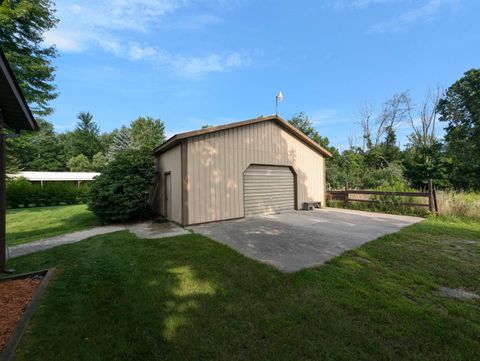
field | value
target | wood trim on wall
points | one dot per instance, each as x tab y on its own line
184	168
324	183
295	187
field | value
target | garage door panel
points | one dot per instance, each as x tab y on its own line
254	183
263	195
286	206
268	189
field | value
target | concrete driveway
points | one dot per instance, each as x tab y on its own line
298	239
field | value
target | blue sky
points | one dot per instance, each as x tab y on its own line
196	62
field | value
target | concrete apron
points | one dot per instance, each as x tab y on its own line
295	240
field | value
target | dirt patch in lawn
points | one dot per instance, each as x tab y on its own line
458	293
15	295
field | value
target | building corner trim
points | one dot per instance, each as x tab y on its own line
324	182
184	171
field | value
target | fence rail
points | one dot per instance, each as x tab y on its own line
431	194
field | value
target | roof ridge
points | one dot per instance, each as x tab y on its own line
172	141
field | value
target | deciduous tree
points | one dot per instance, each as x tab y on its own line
23	24
99	162
460	109
147	132
79	163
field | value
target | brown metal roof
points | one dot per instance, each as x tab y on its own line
14	108
176	139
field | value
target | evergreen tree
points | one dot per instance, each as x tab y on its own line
121	142
85	139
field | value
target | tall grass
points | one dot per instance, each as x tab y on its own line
455	204
381	206
459	204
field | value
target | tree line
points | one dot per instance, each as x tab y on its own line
84	148
451	161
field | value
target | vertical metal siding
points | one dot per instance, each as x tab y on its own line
217	162
170	161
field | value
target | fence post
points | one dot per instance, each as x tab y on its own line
435	199
345	195
430	196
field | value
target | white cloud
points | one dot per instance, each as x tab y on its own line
134	15
181	65
426	11
195	66
91	23
115	26
66	40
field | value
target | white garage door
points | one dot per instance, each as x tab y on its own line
268	189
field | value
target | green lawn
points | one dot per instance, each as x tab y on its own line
31	224
116	297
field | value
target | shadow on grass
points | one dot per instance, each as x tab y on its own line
189	298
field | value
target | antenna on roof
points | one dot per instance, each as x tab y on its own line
278	99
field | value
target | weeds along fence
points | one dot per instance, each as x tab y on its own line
459	204
387	198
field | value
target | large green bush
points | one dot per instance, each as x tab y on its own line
120	193
22	193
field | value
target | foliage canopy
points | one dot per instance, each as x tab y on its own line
23	24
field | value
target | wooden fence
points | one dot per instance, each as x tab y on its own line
430	194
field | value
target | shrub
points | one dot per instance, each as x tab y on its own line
120	193
21	192
392	176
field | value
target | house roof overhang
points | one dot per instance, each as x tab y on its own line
178	138
13	107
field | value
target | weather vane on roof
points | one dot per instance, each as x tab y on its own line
278	99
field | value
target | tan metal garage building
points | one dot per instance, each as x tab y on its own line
258	166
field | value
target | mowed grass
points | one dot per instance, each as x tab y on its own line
117	297
30	224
